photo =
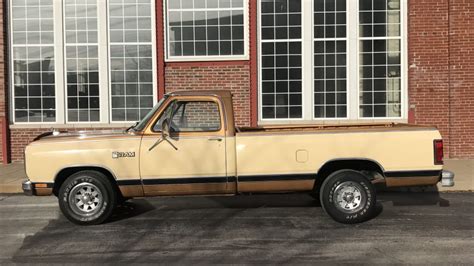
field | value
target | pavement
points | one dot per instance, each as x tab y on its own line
12	175
419	228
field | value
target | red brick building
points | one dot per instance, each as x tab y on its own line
89	64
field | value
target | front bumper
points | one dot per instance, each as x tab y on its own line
447	178
27	187
37	189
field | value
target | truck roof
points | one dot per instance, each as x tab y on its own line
220	93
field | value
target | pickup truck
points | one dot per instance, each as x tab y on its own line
189	145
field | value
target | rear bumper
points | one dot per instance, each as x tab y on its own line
37	189
447	178
419	178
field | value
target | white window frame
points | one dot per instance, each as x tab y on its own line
352	65
191	58
108	58
100	43
304	72
403	68
58	64
60	70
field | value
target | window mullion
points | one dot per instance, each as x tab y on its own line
307	59
353	59
103	62
59	63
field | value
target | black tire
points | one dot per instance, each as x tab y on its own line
348	197
96	198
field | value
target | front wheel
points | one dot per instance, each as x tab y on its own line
87	198
348	197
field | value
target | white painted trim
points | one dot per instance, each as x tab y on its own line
343	121
59	62
307	62
404	57
9	43
352	45
103	61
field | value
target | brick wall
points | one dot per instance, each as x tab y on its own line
233	77
440	55
461	62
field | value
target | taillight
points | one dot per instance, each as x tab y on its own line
438	151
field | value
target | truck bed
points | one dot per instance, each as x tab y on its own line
331	127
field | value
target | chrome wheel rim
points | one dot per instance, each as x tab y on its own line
85	199
349	197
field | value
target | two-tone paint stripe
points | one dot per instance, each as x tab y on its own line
423	173
257	178
217	179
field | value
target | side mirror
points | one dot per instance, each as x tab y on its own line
165	133
165	129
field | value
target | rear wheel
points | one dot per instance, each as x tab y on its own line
87	197
348	197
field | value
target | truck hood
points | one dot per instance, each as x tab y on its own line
66	135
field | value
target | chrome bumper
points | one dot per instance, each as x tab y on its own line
27	187
447	178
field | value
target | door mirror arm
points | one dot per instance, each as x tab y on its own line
165	135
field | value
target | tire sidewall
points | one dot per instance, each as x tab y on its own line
102	184
367	190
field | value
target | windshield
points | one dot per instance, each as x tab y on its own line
141	125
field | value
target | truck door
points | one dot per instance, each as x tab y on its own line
192	159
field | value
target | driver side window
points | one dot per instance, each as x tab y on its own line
191	116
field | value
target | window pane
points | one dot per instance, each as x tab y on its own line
212	27
131	74
330	70
82	76
380	62
33	61
191	116
281	60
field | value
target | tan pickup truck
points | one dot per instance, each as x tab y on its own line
189	145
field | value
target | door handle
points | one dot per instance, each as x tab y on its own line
215	139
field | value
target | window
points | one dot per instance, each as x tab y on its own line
107	74
82	61
380	50
33	61
212	29
281	71
131	60
331	59
191	116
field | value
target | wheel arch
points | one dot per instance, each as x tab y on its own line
358	164
66	172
